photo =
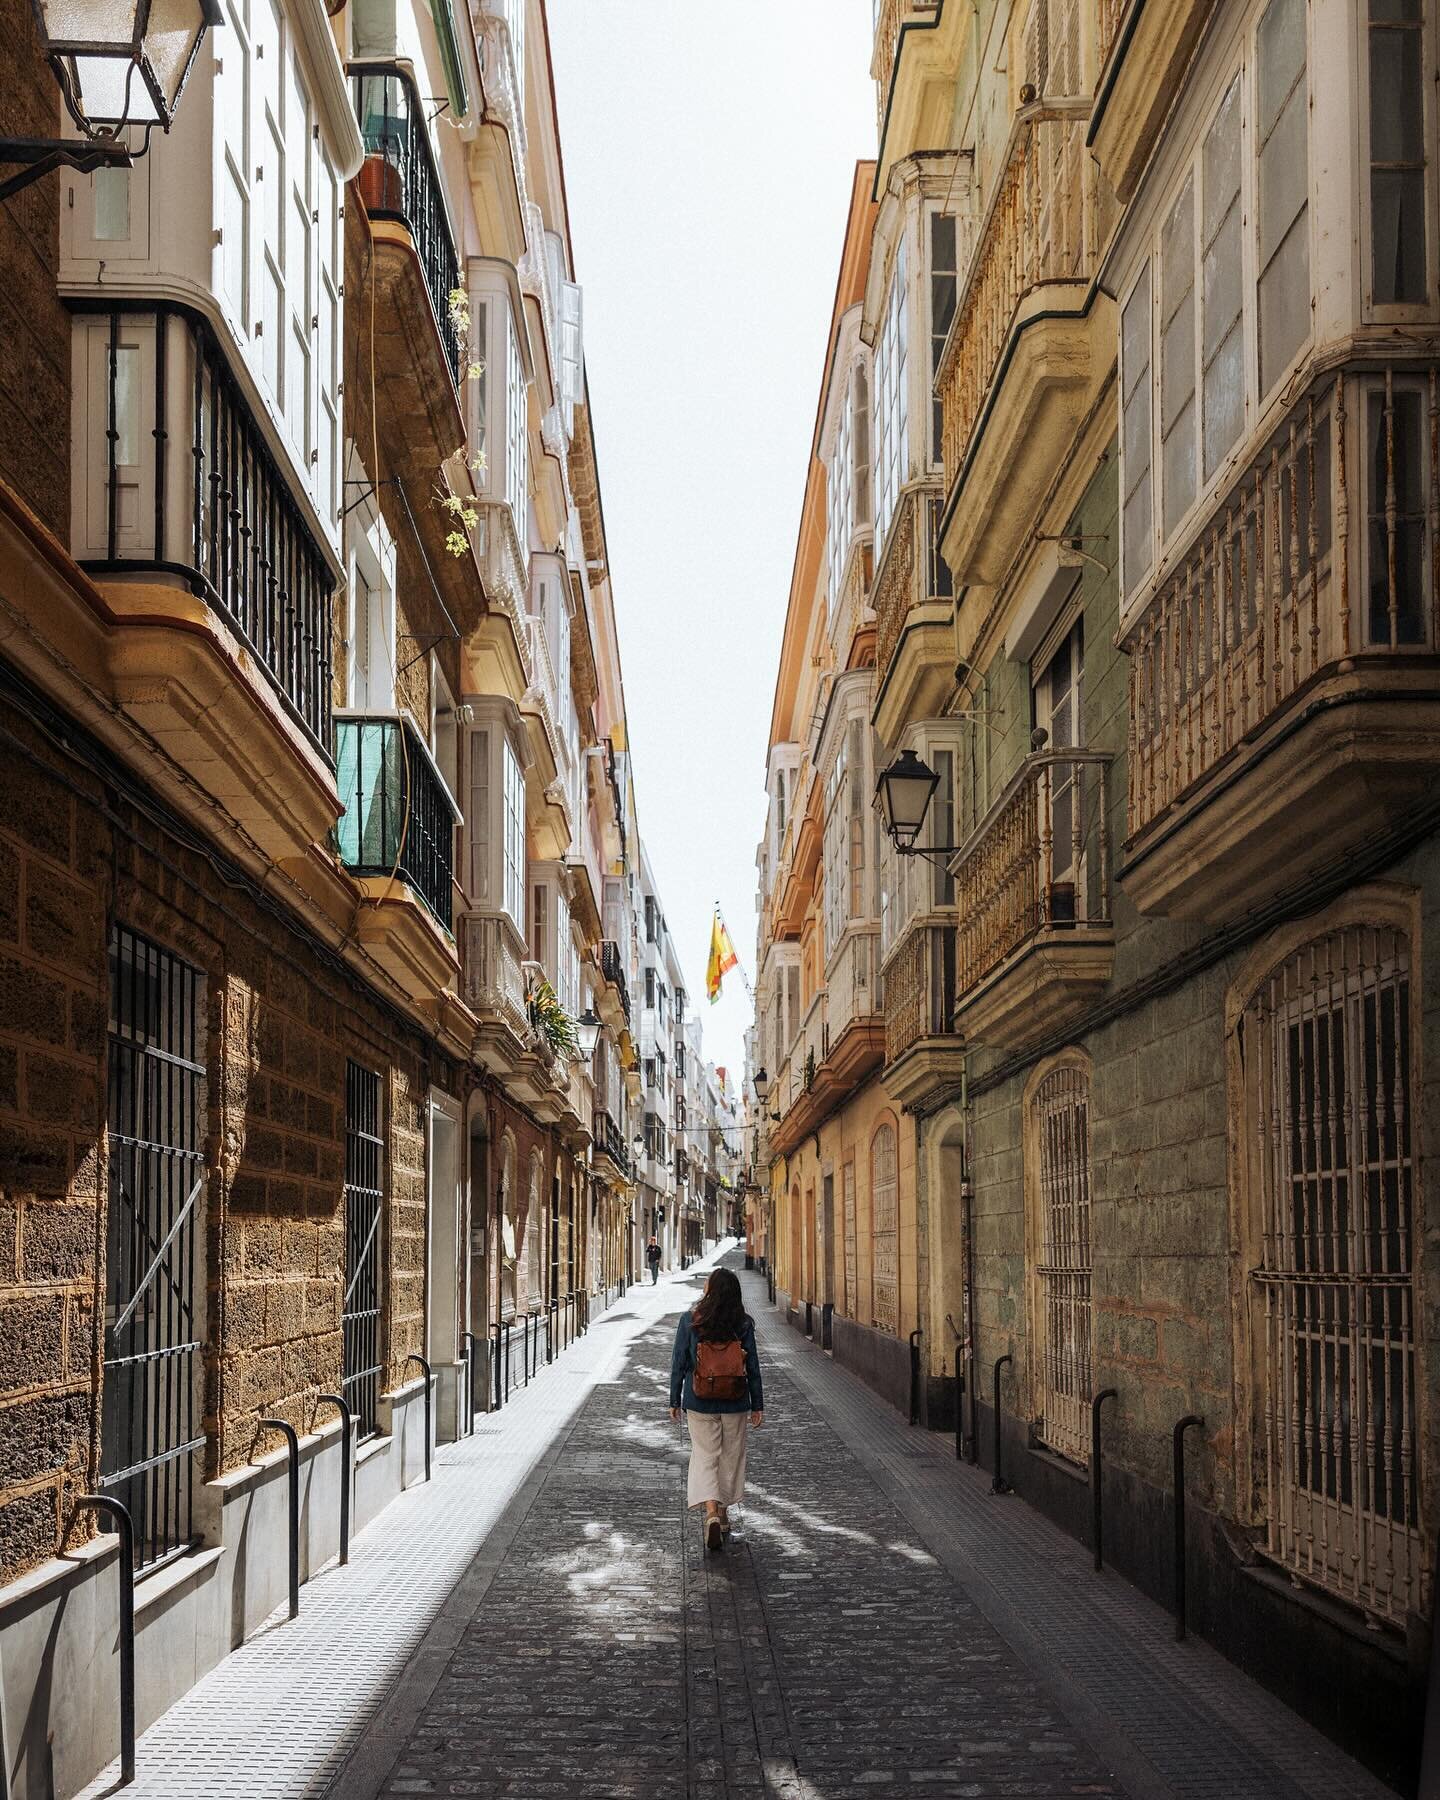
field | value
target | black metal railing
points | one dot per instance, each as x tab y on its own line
214	507
610	1140
398	819
613	970
400	181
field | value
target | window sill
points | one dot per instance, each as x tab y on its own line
151	1591
1388	1639
1052	1459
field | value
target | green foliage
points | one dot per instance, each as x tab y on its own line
552	1021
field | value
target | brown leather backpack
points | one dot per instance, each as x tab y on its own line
720	1372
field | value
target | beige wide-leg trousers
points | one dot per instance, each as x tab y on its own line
717	1457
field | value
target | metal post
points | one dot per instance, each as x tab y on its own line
416	1357
1181	1426
347	1426
1430	1734
1096	1526
998	1483
959	1401
974	1411
292	1439
499	1393
469	1339
915	1376
125	1526
509	1328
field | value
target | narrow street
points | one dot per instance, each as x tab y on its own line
542	1620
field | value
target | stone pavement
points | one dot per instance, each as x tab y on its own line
543	1621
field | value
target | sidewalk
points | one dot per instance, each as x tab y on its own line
543	1621
278	1717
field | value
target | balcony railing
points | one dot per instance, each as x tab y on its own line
1044	224
399	181
609	1140
912	572
920	989
192	489
1302	566
494	982
1039	859
399	819
612	968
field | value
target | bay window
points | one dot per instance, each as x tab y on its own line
891	402
944	284
513	890
1206	289
495	818
517	440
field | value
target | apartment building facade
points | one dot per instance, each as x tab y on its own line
318	1071
1151	310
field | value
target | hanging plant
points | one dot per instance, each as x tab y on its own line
552	1022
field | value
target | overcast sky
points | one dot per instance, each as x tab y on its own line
709	154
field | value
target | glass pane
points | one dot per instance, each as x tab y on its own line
1177	253
1223	400
1135	335
1137	536
1221	170
1221	276
1397	107
1395	11
1283	175
1177	365
1137	438
1179	467
1280	44
1397	221
1285	303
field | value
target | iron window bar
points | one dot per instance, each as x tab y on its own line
360	1308
150	1427
399	818
228	525
392	125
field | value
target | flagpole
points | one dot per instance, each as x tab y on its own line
720	917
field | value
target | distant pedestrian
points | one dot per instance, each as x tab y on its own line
715	1378
652	1256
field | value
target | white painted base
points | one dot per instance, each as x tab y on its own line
59	1625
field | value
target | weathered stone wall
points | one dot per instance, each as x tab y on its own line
34	326
282	1018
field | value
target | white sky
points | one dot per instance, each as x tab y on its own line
709	156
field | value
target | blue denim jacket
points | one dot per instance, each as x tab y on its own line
682	1366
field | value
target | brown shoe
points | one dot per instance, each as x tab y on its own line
714	1533
725	1525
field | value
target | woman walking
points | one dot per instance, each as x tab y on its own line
715	1378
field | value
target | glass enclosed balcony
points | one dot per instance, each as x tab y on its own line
399	820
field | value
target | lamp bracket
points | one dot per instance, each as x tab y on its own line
38	157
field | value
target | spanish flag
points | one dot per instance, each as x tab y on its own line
722	957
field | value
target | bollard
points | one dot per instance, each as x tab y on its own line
347	1426
499	1395
959	1401
125	1526
970	1375
509	1328
469	1339
998	1483
1181	1427
915	1376
1096	1539
416	1357
292	1438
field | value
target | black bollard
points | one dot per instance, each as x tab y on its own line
998	1483
1095	1472
1182	1425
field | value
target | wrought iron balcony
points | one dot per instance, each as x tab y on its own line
912	577
191	490
1032	897
399	181
399	819
609	1140
920	989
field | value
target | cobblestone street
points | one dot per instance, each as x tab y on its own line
542	1620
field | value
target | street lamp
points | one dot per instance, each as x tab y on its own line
118	63
760	1081
637	1144
587	1033
904	792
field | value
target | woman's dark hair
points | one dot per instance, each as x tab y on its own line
720	1312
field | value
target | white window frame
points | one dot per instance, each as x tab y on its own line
1399	311
513	884
890	402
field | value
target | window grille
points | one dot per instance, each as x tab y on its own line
150	1427
1333	1301
1062	1115
360	1312
884	1210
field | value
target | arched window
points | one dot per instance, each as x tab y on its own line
885	1229
534	1245
1330	1093
1058	1141
508	1228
